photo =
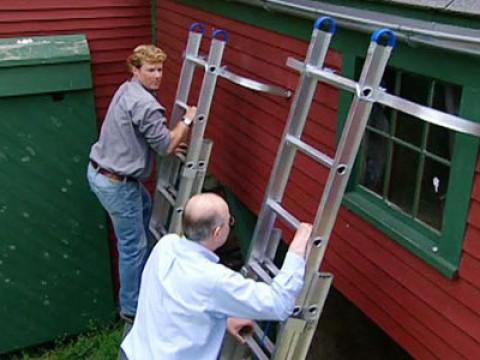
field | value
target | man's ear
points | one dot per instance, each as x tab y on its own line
216	231
135	70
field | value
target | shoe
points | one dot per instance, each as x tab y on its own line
127	318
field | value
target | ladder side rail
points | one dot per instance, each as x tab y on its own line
168	167
313	310
296	335
186	73
360	109
203	161
203	108
295	123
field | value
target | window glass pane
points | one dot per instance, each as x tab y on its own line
441	140
416	89
433	192
401	189
374	162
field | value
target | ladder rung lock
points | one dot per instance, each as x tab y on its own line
189	172
365	93
284	214
312	310
296	311
342	169
317	242
310	151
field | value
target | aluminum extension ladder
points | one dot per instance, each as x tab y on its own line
295	335
180	178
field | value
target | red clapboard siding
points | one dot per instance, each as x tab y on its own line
432	317
112	28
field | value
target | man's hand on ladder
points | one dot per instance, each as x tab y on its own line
239	328
299	244
181	150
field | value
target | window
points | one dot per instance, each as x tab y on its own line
407	170
406	161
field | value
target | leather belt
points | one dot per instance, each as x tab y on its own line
109	174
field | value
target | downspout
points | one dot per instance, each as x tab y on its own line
449	37
153	16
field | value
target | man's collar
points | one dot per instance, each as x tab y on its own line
201	250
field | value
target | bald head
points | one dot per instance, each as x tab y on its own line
204	212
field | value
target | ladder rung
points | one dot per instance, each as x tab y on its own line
256	349
157	233
260	272
200	61
324	74
264	339
181	104
270	266
310	151
284	214
168	193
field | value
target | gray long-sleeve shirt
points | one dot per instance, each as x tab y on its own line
134	128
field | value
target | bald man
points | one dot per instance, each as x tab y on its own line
186	297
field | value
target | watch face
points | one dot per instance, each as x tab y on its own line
187	121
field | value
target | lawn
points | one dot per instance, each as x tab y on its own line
100	344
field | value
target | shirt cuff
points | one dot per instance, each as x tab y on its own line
292	262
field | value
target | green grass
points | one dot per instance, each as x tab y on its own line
99	344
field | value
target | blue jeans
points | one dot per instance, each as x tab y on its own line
129	206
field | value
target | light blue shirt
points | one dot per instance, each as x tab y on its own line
186	297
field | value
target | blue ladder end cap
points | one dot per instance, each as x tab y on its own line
197	27
385	35
326	23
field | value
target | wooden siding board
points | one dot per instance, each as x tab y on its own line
469	269
476	187
459	289
352	287
474	213
472	242
448	319
61	4
112	28
428	289
8	16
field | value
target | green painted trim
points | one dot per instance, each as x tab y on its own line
416	237
153	15
459	196
395	228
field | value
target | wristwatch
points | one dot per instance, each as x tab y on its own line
187	121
